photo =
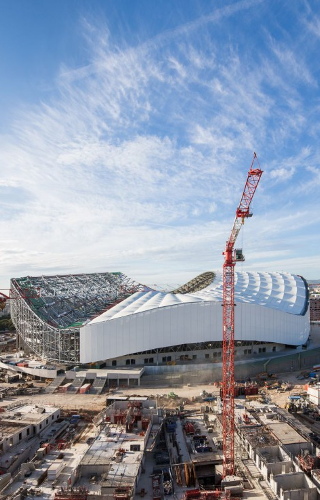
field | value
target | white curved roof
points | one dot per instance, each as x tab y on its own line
280	291
271	307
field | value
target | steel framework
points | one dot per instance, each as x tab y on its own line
48	311
231	256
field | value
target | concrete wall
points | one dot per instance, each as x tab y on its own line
19	459
280	468
30	430
316	477
48	419
87	470
285	484
294	449
273	452
300	494
314	394
19	435
4	480
273	460
196	373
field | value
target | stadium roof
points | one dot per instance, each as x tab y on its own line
281	291
68	301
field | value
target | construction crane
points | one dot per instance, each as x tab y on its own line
3	300
231	256
4	297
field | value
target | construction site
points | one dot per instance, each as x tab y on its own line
164	444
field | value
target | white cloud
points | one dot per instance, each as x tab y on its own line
293	66
313	25
138	159
282	174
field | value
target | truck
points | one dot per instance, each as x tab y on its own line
75	419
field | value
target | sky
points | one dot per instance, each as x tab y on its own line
127	129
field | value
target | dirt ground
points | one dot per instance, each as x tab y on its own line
189	394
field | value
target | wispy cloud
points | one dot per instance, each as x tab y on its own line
137	160
292	65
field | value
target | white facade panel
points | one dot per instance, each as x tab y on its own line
187	323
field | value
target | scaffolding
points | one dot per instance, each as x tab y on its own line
196	284
48	311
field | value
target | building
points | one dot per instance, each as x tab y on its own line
48	311
314	302
23	425
109	318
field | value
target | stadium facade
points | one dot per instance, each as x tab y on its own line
109	318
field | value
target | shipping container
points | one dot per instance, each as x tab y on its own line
85	388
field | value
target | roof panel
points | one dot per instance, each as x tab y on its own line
281	291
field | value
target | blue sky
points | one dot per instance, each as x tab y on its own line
127	129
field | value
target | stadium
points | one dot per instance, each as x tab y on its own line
109	320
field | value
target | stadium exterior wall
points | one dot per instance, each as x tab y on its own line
47	342
188	323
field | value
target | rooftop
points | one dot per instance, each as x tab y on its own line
281	291
69	301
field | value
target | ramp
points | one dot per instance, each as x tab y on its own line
98	385
56	382
76	384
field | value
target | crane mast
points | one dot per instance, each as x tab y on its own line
231	256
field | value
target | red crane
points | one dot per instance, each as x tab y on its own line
231	256
3	300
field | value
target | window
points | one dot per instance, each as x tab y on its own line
207	356
194	356
134	447
148	360
274	348
114	362
133	361
166	358
20	436
127	361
